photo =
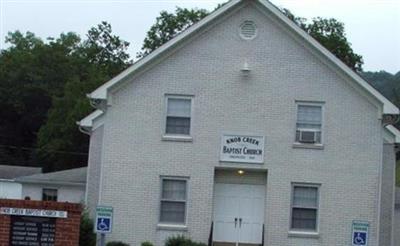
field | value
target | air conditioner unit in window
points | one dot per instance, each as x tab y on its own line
308	136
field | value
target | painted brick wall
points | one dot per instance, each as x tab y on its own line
396	228
94	164
396	224
387	194
283	70
67	230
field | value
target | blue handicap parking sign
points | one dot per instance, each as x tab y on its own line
103	224
104	216
359	238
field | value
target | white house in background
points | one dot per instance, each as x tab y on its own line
243	130
63	186
9	189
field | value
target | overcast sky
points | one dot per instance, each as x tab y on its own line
372	26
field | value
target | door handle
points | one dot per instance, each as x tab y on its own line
240	222
235	222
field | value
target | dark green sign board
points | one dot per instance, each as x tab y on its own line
33	231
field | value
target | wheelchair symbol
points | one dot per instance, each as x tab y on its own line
103	224
359	238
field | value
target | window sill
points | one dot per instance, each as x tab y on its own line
303	234
308	146
177	138
172	227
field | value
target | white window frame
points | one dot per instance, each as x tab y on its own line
169	225
177	137
310	103
296	231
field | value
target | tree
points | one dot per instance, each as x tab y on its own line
105	50
31	72
99	58
168	25
86	235
329	32
43	86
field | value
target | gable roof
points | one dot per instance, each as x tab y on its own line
12	172
396	133
76	176
87	122
101	92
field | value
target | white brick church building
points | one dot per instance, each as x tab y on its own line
243	130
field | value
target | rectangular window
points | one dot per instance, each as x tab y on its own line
309	123
49	195
304	208
178	115
173	201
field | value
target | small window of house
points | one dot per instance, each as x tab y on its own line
304	208
309	123
178	115
173	201
49	195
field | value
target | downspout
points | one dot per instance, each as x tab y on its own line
84	130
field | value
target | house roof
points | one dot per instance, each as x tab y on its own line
396	133
12	172
76	176
87	122
387	106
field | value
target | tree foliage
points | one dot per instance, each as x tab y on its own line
43	88
31	72
100	57
86	235
329	32
168	25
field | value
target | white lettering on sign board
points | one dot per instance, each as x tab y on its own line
104	217
239	148
359	235
34	212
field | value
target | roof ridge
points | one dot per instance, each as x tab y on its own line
101	93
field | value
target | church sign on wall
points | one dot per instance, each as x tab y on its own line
27	230
239	148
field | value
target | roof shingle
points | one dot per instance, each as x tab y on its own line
12	172
76	176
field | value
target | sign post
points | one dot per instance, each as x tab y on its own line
359	234
104	216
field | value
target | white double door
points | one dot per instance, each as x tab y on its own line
238	213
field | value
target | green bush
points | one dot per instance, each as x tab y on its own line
117	244
181	241
147	243
86	235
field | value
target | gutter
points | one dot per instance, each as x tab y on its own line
51	182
